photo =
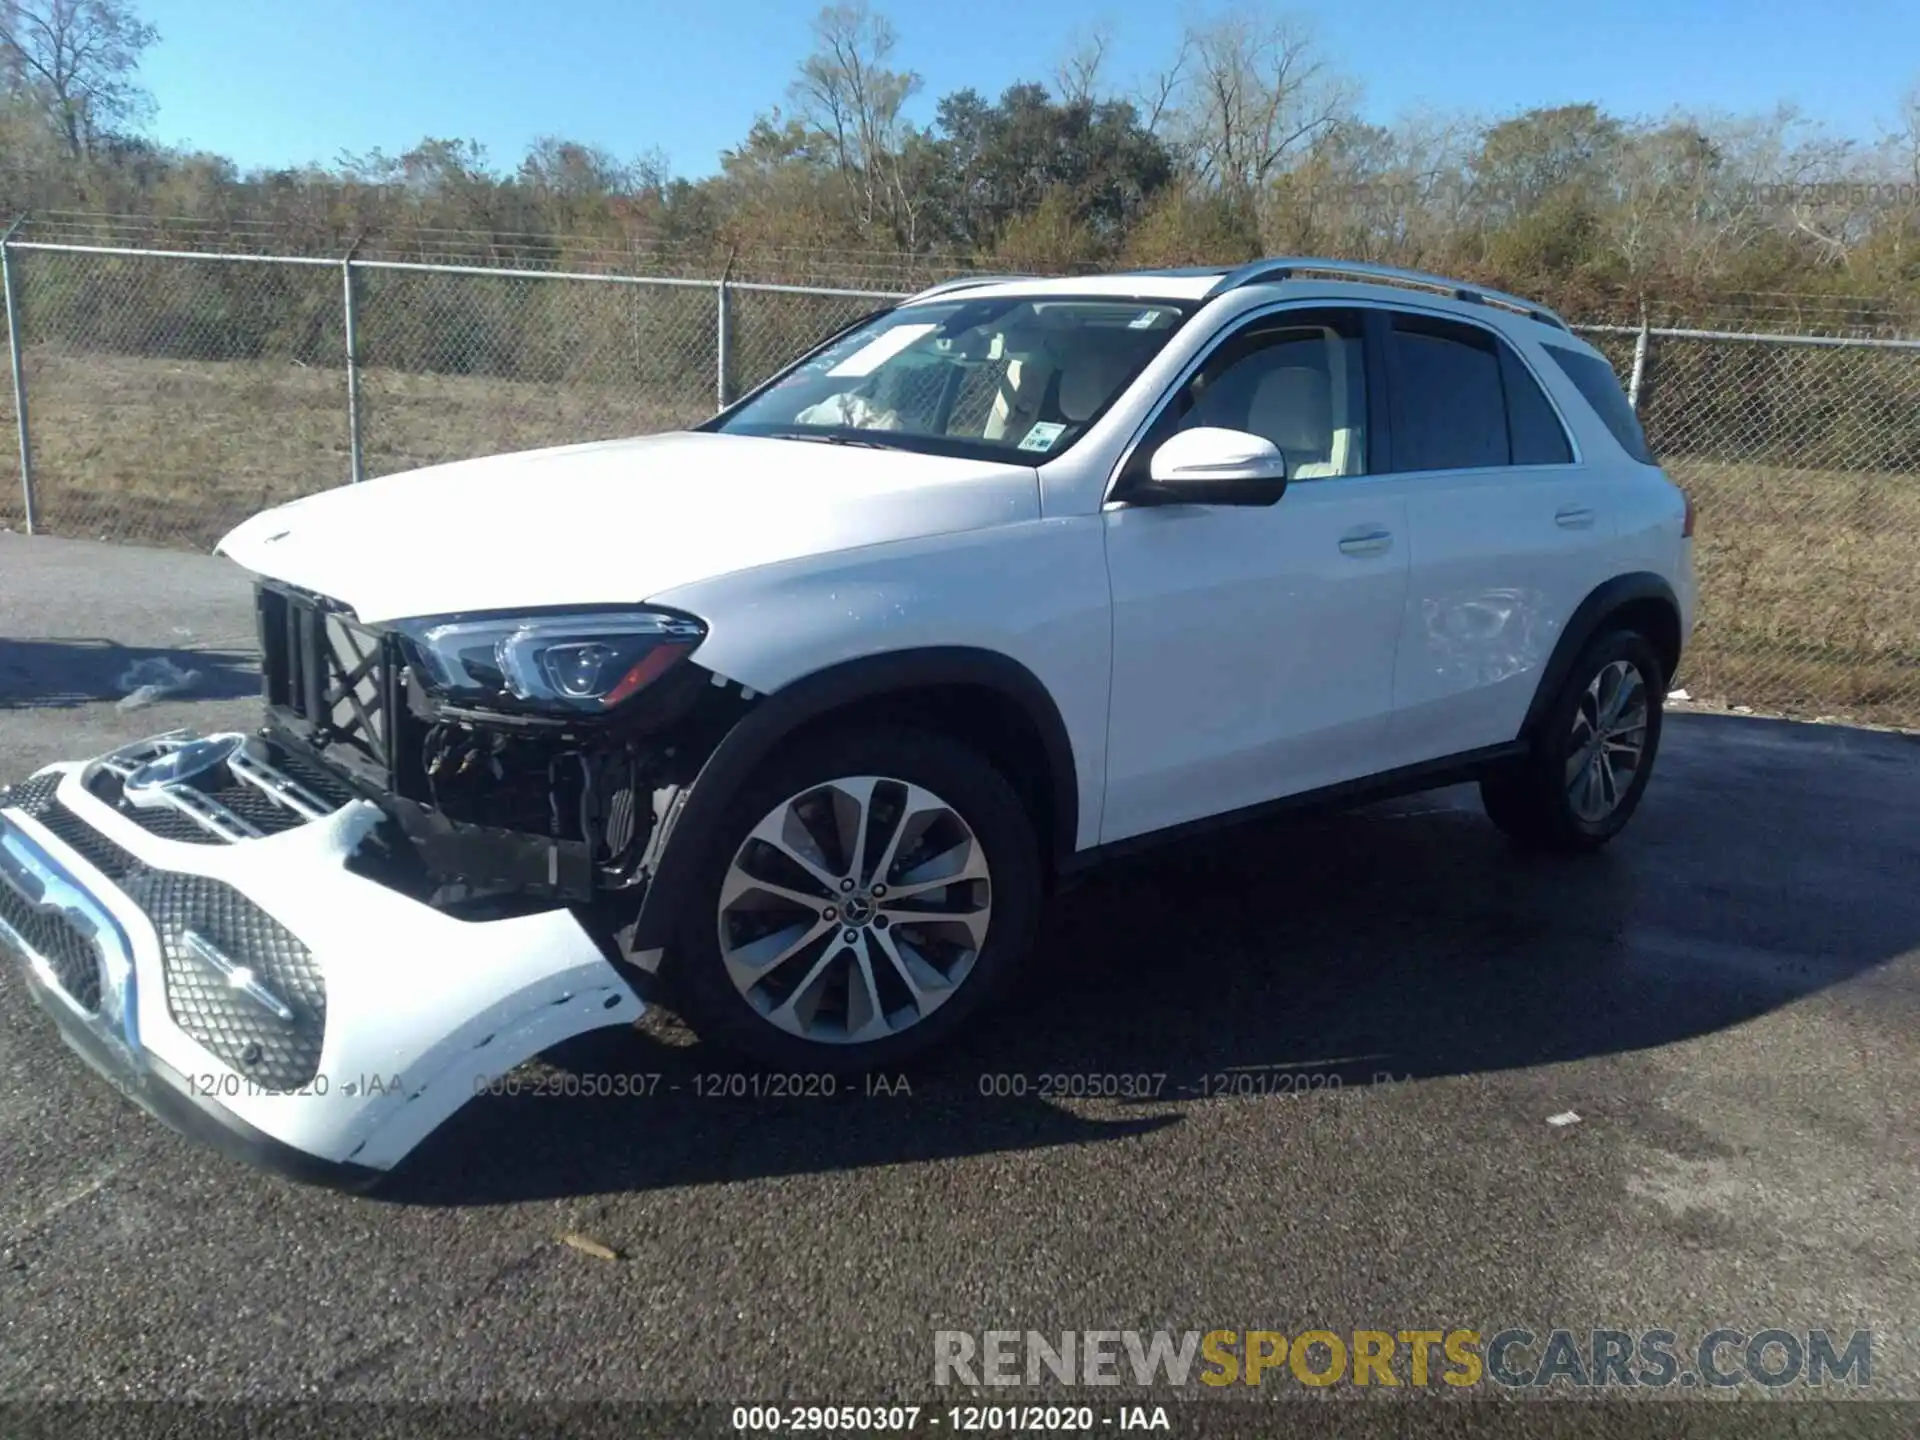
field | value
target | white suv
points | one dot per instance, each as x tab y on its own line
800	714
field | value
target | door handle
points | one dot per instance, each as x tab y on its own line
1574	517
1360	543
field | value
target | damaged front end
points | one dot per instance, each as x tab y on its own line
312	944
524	760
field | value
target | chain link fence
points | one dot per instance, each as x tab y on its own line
1802	455
170	394
168	397
454	365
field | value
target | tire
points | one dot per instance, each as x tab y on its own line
802	1000
1543	802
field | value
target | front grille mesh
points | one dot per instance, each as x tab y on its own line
262	811
33	795
272	1053
172	825
98	851
167	823
69	950
321	781
66	947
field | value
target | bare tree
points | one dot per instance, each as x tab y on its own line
1158	99
76	59
1900	153
1792	171
848	93
1903	141
1371	192
1254	94
1686	195
1077	76
1433	152
1667	212
568	170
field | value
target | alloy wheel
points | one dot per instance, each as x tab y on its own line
854	909
1609	741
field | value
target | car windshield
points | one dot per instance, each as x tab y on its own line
1000	379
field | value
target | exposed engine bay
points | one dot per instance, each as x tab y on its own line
492	807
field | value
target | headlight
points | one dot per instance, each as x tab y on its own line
551	662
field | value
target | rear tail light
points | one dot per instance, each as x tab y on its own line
1686	523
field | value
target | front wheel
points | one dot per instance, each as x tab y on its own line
867	893
1594	752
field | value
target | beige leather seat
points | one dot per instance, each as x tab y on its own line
1090	379
1016	404
1293	407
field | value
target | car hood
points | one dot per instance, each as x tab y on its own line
613	522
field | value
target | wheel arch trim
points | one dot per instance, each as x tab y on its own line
695	816
1589	618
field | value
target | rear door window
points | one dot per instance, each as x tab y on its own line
1452	411
1466	401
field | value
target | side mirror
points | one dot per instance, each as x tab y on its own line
1212	466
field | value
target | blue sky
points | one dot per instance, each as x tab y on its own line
274	82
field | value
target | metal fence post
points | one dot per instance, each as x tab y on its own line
1639	364
723	335
357	462
19	372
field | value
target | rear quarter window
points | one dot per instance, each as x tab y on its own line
1600	388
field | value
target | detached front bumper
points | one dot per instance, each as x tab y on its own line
204	944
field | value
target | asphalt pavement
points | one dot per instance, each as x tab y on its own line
1363	1028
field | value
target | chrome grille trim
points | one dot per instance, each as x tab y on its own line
44	883
249	766
203	810
239	977
129	758
278	785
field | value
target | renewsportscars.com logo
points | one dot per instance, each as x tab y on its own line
1515	1358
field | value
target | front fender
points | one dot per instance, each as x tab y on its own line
1031	597
690	826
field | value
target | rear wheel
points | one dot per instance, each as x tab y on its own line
1593	754
865	896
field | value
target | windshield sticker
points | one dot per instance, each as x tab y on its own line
1041	435
1144	320
882	348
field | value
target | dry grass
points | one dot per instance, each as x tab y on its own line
1810	590
173	452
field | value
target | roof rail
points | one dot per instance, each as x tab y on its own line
1268	272
965	282
1183	272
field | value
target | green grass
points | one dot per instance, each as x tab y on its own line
1810	579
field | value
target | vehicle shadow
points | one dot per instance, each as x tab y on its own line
61	674
1397	943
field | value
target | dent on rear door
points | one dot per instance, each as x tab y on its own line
1501	558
